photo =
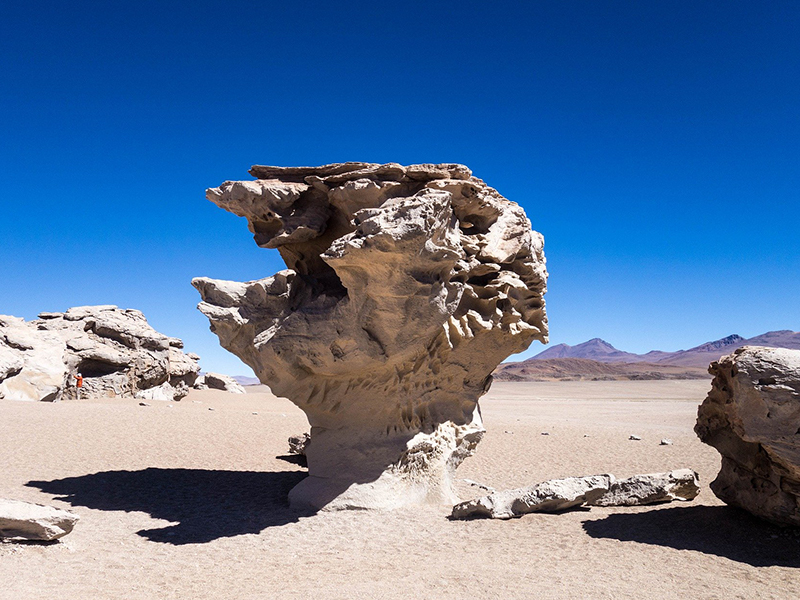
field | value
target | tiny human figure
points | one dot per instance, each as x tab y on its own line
78	385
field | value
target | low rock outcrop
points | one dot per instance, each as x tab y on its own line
652	488
115	350
406	286
22	521
216	381
298	444
752	417
549	496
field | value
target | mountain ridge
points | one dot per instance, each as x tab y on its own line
699	356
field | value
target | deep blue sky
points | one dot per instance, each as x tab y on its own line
656	145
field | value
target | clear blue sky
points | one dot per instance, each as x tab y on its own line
656	145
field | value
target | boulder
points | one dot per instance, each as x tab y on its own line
298	444
215	381
550	496
115	350
652	488
25	521
405	287
752	417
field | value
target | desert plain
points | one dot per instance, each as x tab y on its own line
188	500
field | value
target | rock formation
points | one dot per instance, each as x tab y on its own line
549	496
405	287
652	488
26	521
752	417
215	381
595	490
115	350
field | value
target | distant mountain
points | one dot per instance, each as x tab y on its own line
594	349
583	369
699	356
245	380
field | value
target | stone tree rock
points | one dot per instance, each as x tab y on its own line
405	287
752	417
115	350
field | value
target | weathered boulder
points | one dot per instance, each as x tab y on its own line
405	287
752	417
550	496
26	521
115	350
216	381
298	444
652	488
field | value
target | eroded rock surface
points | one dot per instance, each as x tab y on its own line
115	350
27	521
405	287
752	417
651	488
216	381
549	496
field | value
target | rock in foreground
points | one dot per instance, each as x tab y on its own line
652	488
405	288
26	521
550	496
115	350
752	417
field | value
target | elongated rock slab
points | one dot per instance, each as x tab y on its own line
651	488
752	417
405	287
27	521
550	496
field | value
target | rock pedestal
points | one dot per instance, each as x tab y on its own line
752	417
405	287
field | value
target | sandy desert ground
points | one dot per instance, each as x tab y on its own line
179	501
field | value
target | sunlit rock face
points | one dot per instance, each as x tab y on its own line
405	288
752	417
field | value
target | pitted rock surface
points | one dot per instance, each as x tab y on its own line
406	286
115	350
752	417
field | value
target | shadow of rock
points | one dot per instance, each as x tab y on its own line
295	459
720	530
202	504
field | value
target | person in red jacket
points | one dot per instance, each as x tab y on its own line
78	385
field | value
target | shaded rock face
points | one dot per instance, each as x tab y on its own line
752	417
405	287
115	350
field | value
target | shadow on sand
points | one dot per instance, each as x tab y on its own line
203	504
720	530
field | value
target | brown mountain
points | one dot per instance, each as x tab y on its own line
576	369
699	356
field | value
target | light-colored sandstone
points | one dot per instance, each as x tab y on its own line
26	521
549	496
115	350
217	381
405	287
652	488
752	417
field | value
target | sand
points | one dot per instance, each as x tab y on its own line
179	501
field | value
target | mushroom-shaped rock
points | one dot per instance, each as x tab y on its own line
405	288
752	417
